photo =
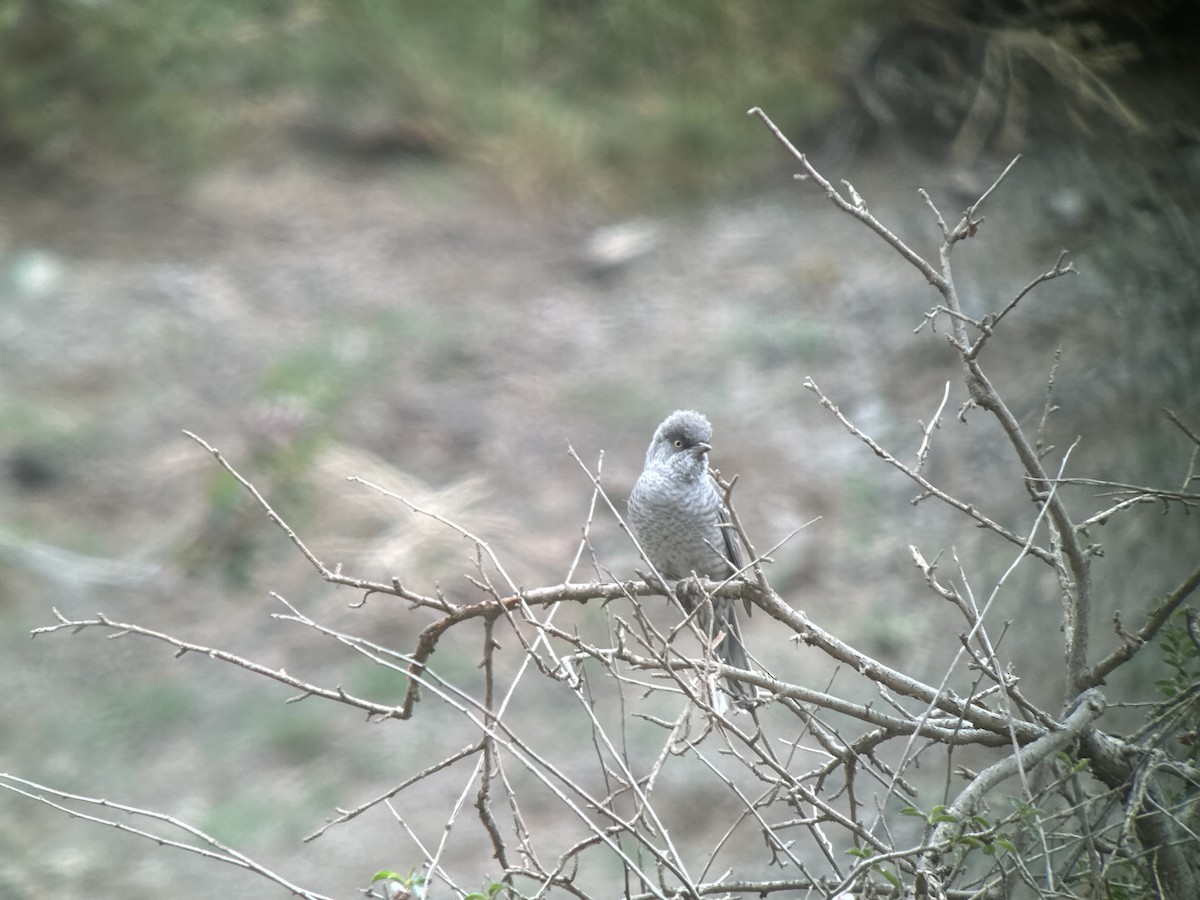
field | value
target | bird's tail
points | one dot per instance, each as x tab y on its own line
732	651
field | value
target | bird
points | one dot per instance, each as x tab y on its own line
678	514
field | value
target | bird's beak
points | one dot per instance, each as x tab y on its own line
700	449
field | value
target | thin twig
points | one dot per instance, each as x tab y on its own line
859	212
927	431
929	488
220	852
1157	618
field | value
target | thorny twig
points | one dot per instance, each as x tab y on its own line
817	779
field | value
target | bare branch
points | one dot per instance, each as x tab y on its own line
989	324
929	488
333	576
858	210
1159	617
1077	598
927	431
974	207
1048	408
816	766
122	629
479	542
348	814
1089	708
1179	423
219	852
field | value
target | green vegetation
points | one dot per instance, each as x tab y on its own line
607	103
85	84
1180	711
602	101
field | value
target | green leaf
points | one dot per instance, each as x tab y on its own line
384	874
860	852
890	876
912	811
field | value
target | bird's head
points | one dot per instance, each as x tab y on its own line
681	442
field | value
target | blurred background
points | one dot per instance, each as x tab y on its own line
430	244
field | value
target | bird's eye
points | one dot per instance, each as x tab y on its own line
678	442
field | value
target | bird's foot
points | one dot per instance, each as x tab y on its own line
654	582
690	592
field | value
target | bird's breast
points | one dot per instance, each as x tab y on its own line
676	526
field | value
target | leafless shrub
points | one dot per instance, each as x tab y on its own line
883	785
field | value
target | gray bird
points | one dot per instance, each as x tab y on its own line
677	512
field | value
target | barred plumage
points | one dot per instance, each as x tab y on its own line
677	511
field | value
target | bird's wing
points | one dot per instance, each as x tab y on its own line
733	544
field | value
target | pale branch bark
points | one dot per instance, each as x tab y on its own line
827	803
927	431
432	867
992	667
988	324
1132	494
927	486
1158	830
1077	599
733	886
345	815
1040	443
1120	487
1173	863
307	689
976	617
1195	438
984	722
645	809
894	726
856	209
1104	515
886	676
491	763
750	809
1091	705
429	637
546	772
219	851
